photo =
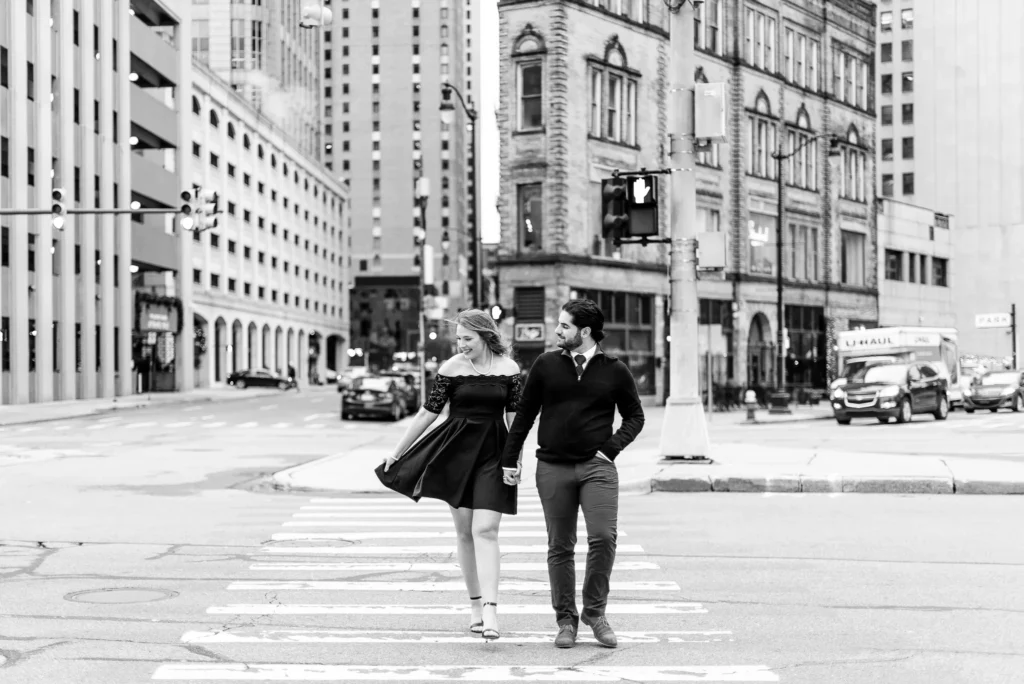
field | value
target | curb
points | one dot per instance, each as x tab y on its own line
833	484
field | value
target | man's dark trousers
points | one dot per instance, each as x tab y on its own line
564	488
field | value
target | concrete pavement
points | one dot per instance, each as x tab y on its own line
737	465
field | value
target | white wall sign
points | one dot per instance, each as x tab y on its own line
992	320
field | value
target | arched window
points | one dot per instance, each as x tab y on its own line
802	166
245	141
528	55
259	151
231	130
196	107
214	119
761	139
853	179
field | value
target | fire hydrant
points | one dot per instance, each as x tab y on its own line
750	399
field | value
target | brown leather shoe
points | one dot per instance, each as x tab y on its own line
566	636
602	632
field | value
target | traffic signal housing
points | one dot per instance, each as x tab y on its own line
614	208
643	206
189	208
209	207
59	210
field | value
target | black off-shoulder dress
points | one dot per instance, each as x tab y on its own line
460	461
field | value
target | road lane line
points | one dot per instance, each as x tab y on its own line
195	408
383	636
623	566
465	673
63	427
250	424
363	536
391	609
402	524
315	426
214	425
268	407
317	416
184	423
279	426
132	426
455	586
506	549
406	509
405	516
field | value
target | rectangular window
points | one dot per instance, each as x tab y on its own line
531	216
887	115
530	85
32	168
885	21
5	157
908	148
788	43
907	49
886	54
31	81
887	149
762	238
887	84
3	68
596	79
852	258
893	265
940	272
907	18
908	184
908	113
237	43
907	82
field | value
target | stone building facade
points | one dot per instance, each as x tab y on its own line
566	120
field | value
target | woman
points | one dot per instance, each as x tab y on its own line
460	461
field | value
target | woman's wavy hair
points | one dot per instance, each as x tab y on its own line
483	325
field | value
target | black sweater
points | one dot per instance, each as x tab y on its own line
578	414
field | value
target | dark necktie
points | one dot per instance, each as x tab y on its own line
580	361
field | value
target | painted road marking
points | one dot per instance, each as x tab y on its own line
268	407
315	416
280	425
378	636
406	509
194	408
363	536
671	608
185	423
63	427
342	566
28	429
132	426
505	524
508	585
439	515
214	425
422	550
99	426
315	426
465	673
251	424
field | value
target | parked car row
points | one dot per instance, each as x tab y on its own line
898	391
384	395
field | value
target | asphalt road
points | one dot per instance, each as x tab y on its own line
985	434
143	550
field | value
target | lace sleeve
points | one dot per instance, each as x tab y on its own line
515	392
438	394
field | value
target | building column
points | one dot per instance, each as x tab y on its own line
21	110
106	223
660	355
87	224
302	357
66	156
184	352
126	294
243	348
43	294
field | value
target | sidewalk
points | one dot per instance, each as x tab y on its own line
735	467
62	410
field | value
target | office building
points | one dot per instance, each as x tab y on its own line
957	141
259	48
915	266
384	66
270	282
67	91
584	92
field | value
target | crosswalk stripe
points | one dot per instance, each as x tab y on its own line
439	515
424	550
467	673
507	585
404	524
341	566
214	425
250	424
362	536
671	608
280	425
405	507
376	636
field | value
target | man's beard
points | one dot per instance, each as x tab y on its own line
570	343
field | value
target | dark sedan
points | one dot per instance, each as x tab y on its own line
996	390
259	378
897	390
375	396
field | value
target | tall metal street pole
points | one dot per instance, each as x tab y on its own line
685	430
422	195
478	293
1013	333
780	313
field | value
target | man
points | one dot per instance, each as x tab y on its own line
578	389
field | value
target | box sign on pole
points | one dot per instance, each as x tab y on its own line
992	320
710	112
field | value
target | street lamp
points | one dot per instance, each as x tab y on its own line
448	117
780	398
422	195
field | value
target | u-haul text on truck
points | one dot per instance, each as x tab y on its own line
938	346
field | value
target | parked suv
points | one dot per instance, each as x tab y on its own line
896	390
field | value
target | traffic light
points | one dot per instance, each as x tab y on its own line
209	206
614	209
189	208
58	210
